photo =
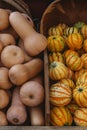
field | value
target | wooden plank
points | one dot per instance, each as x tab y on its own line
41	128
46	84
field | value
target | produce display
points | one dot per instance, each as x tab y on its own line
67	60
22	91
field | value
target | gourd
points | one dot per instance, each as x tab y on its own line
4	19
3	119
74	62
80	117
55	56
60	116
5	82
84	31
4	98
70	30
55	30
57	70
7	39
84	60
12	55
36	116
82	79
60	94
79	73
34	92
34	42
20	73
16	113
85	45
80	94
74	41
56	43
67	82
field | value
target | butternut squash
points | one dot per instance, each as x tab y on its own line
32	93
36	116
21	73
34	42
3	119
5	82
16	113
4	98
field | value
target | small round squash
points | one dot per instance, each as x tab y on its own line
60	94
56	43
80	94
60	116
80	117
12	55
57	71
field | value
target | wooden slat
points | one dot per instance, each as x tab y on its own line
42	128
46	83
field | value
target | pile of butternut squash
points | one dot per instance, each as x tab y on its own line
21	70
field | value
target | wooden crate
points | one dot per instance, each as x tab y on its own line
61	11
21	6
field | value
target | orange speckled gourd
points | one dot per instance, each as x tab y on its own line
84	60
82	79
60	116
60	94
84	31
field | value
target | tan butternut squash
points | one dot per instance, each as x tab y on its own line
36	116
20	73
16	113
3	119
34	42
32	93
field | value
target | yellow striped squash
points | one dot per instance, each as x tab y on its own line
79	73
60	94
60	116
82	79
55	43
80	94
85	45
84	60
84	31
55	56
68	82
74	62
57	70
74	41
70	30
80	117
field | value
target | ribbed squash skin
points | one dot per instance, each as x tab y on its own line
85	45
68	82
72	107
56	30
84	60
74	62
57	70
79	73
70	30
80	117
74	41
60	116
60	94
82	79
84	31
55	56
56	43
80	94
